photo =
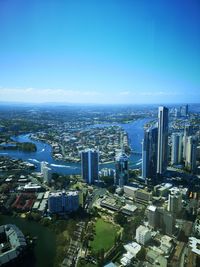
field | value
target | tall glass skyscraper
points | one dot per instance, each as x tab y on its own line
90	165
162	161
149	155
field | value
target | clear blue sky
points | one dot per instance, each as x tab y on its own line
104	51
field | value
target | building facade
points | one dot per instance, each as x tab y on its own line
46	172
149	155
191	153
174	203
121	169
61	202
177	149
162	161
90	165
143	235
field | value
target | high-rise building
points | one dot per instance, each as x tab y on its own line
180	149
159	218
90	165
162	161
121	168
143	235
167	222
46	172
149	155
43	165
177	149
61	202
176	113
187	132
174	203
191	151
184	110
152	216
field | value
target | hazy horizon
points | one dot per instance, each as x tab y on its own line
107	52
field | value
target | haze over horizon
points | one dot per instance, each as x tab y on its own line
111	52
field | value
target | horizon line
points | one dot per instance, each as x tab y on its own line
93	103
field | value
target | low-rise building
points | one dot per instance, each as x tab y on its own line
130	191
128	209
13	243
162	189
155	259
131	251
143	196
194	243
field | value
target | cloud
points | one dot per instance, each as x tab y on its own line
46	95
159	93
125	93
131	96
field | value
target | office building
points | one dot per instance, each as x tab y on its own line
191	151
149	155
90	165
143	196
168	222
143	235
175	203
129	191
161	219
121	168
188	131
162	161
152	216
177	149
61	202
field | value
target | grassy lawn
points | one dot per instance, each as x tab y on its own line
105	235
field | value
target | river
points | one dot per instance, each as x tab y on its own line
45	247
44	151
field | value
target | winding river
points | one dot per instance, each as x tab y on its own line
44	151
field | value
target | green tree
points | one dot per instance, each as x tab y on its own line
120	219
141	255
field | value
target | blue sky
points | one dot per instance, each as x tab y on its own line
104	51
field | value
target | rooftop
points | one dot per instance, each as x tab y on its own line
152	208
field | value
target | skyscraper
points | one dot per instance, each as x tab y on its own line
46	171
184	110
191	151
177	148
149	155
187	132
121	167
90	165
162	161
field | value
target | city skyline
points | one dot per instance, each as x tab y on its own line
108	52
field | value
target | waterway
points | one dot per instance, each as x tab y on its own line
44	151
45	246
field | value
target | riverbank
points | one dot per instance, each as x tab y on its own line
25	147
